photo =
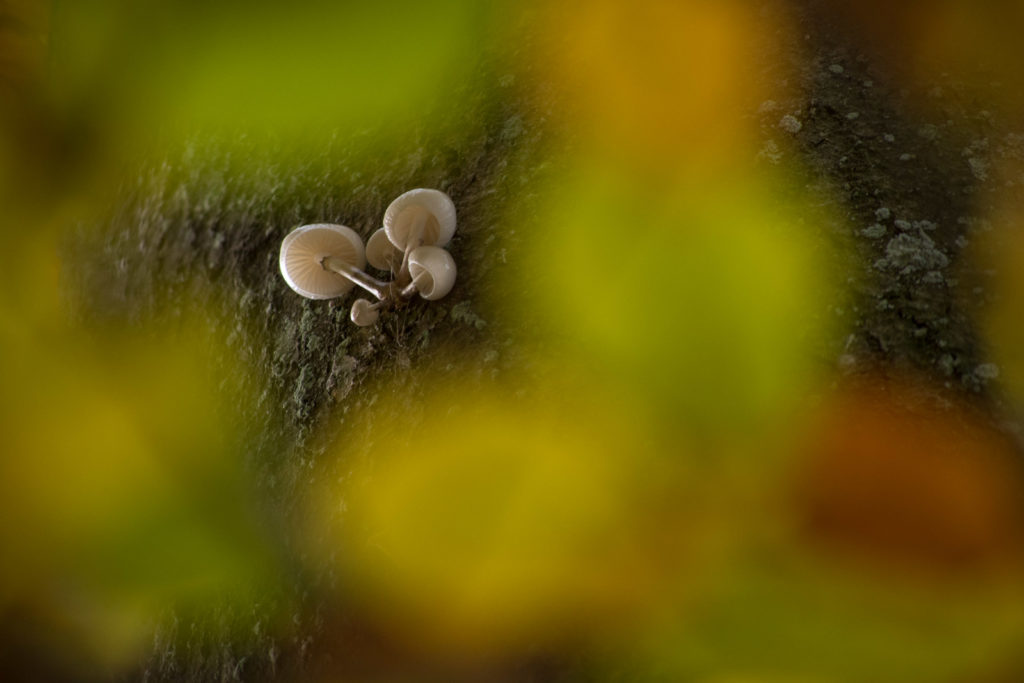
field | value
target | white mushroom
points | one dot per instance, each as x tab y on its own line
381	253
304	251
323	261
420	216
364	313
432	270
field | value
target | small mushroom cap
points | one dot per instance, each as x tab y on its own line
364	313
381	253
432	209
433	271
305	248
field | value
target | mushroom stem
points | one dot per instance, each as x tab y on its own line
381	290
415	238
408	291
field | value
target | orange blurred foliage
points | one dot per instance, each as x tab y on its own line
662	84
891	478
974	43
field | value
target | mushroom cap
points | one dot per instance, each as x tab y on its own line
364	313
381	253
433	208
303	251
433	271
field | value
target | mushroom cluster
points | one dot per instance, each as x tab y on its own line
324	260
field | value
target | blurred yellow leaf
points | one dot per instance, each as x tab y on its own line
323	67
122	493
707	299
497	523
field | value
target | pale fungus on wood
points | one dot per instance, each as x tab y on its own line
304	251
324	260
